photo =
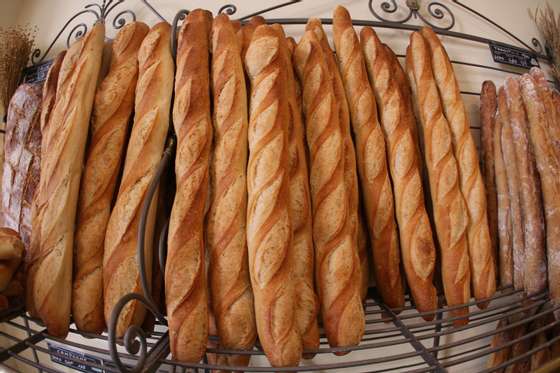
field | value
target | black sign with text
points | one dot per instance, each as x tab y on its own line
513	56
37	73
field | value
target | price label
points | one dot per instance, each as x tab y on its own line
513	56
37	73
75	359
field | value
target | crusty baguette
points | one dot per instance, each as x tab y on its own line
488	107
245	33
230	285
547	97
416	239
69	122
534	261
307	305
514	190
145	148
269	227
32	252
337	264
350	173
505	229
483	269
371	161
186	292
11	252
112	110
548	165
543	355
499	339
450	211
519	348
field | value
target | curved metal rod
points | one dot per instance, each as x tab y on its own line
181	15
37	52
134	339
140	257
162	246
119	21
229	9
389	7
269	9
81	31
498	26
435	10
151	7
109	8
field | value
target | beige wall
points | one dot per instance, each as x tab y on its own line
50	15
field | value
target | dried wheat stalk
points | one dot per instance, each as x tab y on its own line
549	27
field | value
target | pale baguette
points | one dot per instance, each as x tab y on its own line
450	211
145	148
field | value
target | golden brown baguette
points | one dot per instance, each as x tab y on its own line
499	339
68	124
11	252
32	252
350	173
514	190
488	107
416	239
245	33
230	285
519	348
534	261
186	291
145	148
548	165
450	211
307	305
112	110
505	229
546	94
337	264
269	227
483	269
371	161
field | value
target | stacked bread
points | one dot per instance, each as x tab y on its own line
522	162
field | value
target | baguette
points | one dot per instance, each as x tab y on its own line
145	148
547	97
307	305
488	106
11	252
520	348
534	262
499	339
450	211
371	161
417	244
230	285
548	165
483	269
32	252
337	264
505	229
358	229
111	115
68	128
185	273
269	227
514	190
245	33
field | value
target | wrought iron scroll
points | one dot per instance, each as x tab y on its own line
100	13
440	16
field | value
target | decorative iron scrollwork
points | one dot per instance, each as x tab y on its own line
100	12
443	16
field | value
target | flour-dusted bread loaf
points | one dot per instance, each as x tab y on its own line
145	148
505	229
548	165
514	190
546	94
371	161
307	304
269	227
534	260
11	253
61	170
186	292
483	268
488	107
450	211
358	228
32	252
22	159
337	264
112	110
230	284
416	239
